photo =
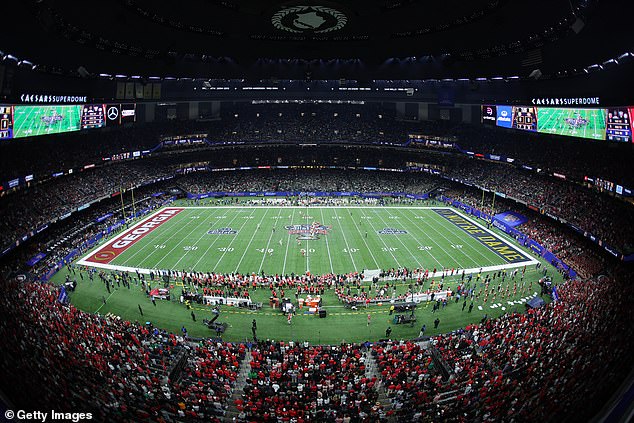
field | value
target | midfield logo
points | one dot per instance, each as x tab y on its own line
308	232
222	231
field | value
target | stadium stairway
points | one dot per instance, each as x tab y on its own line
241	381
371	370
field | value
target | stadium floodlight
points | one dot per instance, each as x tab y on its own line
11	58
25	64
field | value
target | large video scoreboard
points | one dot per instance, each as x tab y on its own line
612	124
21	121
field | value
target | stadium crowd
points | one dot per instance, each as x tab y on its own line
566	244
530	366
310	123
75	234
540	365
367	123
308	181
31	208
302	383
573	157
117	370
593	212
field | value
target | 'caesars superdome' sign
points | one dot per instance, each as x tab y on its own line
309	19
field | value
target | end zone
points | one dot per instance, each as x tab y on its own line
114	247
511	254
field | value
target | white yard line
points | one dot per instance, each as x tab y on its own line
387	249
400	240
451	227
417	225
306	249
269	242
439	245
288	241
257	228
103	304
214	241
231	243
158	263
152	252
376	263
343	233
332	270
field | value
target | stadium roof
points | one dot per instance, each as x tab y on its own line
381	38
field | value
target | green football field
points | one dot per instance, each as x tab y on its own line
584	123
272	240
43	120
333	240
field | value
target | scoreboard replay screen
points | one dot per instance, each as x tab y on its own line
614	124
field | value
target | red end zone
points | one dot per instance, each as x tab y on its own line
118	245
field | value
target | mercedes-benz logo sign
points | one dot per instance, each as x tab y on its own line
112	113
309	19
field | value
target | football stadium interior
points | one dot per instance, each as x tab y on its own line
317	211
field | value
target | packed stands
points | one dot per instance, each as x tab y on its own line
115	369
511	367
308	383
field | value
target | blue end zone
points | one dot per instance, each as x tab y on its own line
500	247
